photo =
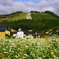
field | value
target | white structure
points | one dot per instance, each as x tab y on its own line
28	16
14	35
29	37
20	34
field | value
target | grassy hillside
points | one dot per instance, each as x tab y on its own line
13	16
36	16
19	17
40	16
52	14
41	21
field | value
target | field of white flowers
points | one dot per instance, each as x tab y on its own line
38	48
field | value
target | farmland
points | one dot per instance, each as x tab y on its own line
19	17
37	48
40	16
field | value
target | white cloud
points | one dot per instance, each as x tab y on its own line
55	5
9	6
31	4
7	2
43	4
40	4
5	10
48	8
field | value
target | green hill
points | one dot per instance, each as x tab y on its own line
40	16
48	15
18	17
14	16
40	21
52	14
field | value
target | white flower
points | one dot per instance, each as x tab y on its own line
5	52
16	56
4	49
47	32
13	44
25	55
26	46
39	58
50	30
57	31
12	51
52	53
9	50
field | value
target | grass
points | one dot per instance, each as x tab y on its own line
40	16
19	17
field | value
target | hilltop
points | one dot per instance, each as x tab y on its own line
34	14
21	15
13	16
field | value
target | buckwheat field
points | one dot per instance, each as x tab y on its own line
37	48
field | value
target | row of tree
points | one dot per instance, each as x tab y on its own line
35	25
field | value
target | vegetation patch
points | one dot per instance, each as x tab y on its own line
40	48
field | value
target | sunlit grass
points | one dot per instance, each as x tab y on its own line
40	16
19	17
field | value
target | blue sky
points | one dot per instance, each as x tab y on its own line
9	6
35	1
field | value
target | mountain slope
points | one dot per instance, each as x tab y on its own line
40	16
13	16
52	14
19	17
36	16
34	21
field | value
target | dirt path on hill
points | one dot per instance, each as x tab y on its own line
3	19
28	16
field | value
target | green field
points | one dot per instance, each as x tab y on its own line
40	16
19	17
37	48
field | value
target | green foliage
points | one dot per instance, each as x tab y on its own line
40	16
52	31
40	21
11	15
52	14
18	17
30	48
35	12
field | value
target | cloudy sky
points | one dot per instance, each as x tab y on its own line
9	6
